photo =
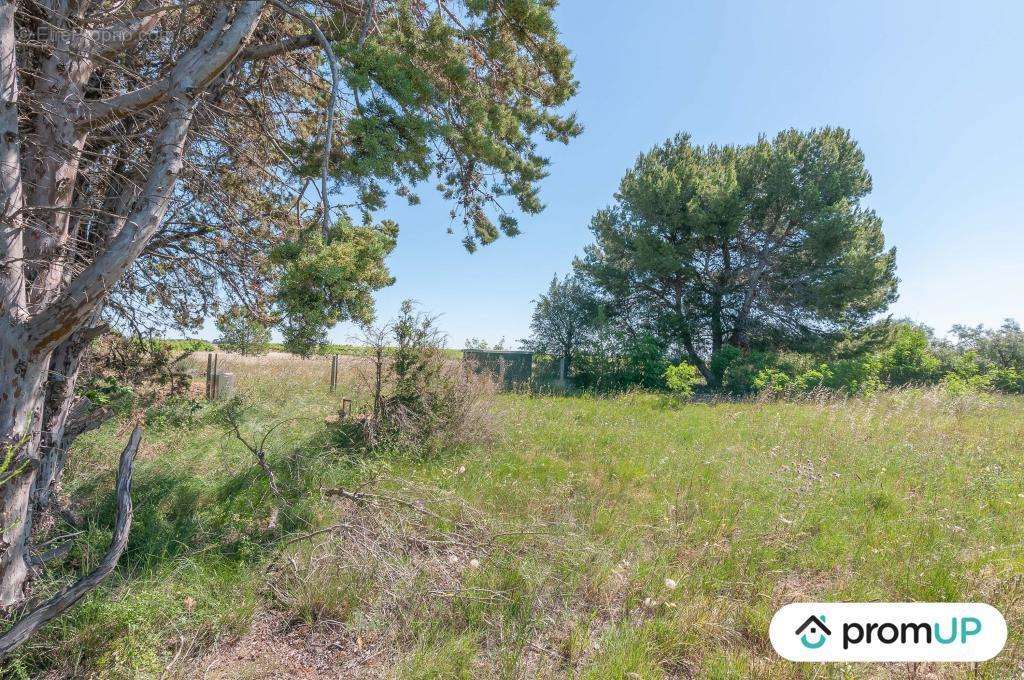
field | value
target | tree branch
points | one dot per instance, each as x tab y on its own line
332	62
69	596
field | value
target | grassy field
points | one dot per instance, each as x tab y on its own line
622	537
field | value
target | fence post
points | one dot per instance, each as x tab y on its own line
334	373
209	376
213	383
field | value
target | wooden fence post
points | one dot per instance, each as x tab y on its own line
213	381
209	376
334	373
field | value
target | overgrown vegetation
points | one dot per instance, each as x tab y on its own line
419	400
884	355
546	552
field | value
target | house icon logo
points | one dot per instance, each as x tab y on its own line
813	632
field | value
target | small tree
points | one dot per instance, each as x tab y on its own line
242	332
563	320
421	400
1001	347
908	358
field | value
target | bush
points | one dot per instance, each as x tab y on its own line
738	370
644	363
960	384
116	366
773	380
186	345
722	360
681	379
853	376
1006	380
813	378
908	358
850	376
613	363
175	411
420	400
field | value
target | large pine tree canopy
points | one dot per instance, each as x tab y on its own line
766	242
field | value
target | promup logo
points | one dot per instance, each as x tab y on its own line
817	630
894	631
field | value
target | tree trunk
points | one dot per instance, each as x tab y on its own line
21	378
691	352
58	405
717	334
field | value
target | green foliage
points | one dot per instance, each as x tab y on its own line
325	281
564	320
182	345
739	370
853	376
1007	380
675	247
175	411
122	371
1001	347
773	380
420	402
722	360
907	355
613	361
108	390
417	361
681	379
966	375
644	363
908	358
483	345
460	98
813	378
242	332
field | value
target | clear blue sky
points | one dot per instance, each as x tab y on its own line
931	90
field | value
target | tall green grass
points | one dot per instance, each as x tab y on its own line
595	537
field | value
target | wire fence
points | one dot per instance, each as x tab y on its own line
221	373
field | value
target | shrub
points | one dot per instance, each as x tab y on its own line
722	360
107	390
613	362
1006	380
116	366
813	378
908	358
961	384
739	373
644	363
420	400
188	345
681	379
854	376
175	411
773	380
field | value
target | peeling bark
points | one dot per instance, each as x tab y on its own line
48	307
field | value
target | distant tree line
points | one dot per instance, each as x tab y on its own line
759	267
